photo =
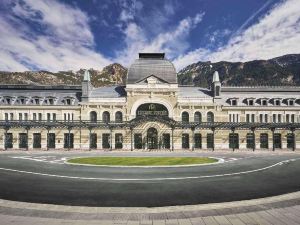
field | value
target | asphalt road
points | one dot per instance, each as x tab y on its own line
44	178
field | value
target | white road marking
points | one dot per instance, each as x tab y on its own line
153	179
41	159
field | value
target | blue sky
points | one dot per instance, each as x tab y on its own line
72	34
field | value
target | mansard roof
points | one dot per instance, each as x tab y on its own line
151	64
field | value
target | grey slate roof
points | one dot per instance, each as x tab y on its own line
190	91
145	67
108	92
42	91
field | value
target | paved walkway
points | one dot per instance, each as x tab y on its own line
283	209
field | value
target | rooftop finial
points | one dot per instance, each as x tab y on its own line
216	77
87	76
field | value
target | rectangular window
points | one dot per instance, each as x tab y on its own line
6	116
287	118
37	140
210	140
9	140
250	141
48	117
233	140
292	118
279	118
264	141
93	141
198	141
20	116
277	140
166	141
26	116
266	118
68	140
105	140
23	140
247	118
253	118
185	141
51	140
40	117
65	117
290	140
261	118
118	141
53	116
34	116
138	141
11	116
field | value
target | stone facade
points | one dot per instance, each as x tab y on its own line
168	116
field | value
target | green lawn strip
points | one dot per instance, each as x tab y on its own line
142	161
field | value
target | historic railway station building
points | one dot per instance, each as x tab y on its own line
151	112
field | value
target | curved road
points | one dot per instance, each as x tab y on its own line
44	178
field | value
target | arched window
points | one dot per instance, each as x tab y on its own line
210	117
197	117
106	117
119	117
185	117
93	116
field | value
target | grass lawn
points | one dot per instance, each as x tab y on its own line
142	161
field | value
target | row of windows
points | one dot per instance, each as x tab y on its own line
185	117
276	118
68	140
138	143
106	117
35	116
263	101
7	100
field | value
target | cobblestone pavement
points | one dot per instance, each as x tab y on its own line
283	209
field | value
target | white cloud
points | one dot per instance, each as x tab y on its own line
66	41
172	42
275	34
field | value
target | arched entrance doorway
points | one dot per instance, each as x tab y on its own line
152	138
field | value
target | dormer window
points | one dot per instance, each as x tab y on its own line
51	101
233	101
22	100
291	102
69	101
277	102
36	101
264	101
250	102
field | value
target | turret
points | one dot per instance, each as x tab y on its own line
86	85
216	85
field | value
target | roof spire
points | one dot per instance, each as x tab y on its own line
216	77
87	76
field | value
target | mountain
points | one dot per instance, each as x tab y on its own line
109	75
284	70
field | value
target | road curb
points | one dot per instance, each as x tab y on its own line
268	202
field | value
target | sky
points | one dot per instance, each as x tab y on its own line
59	35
